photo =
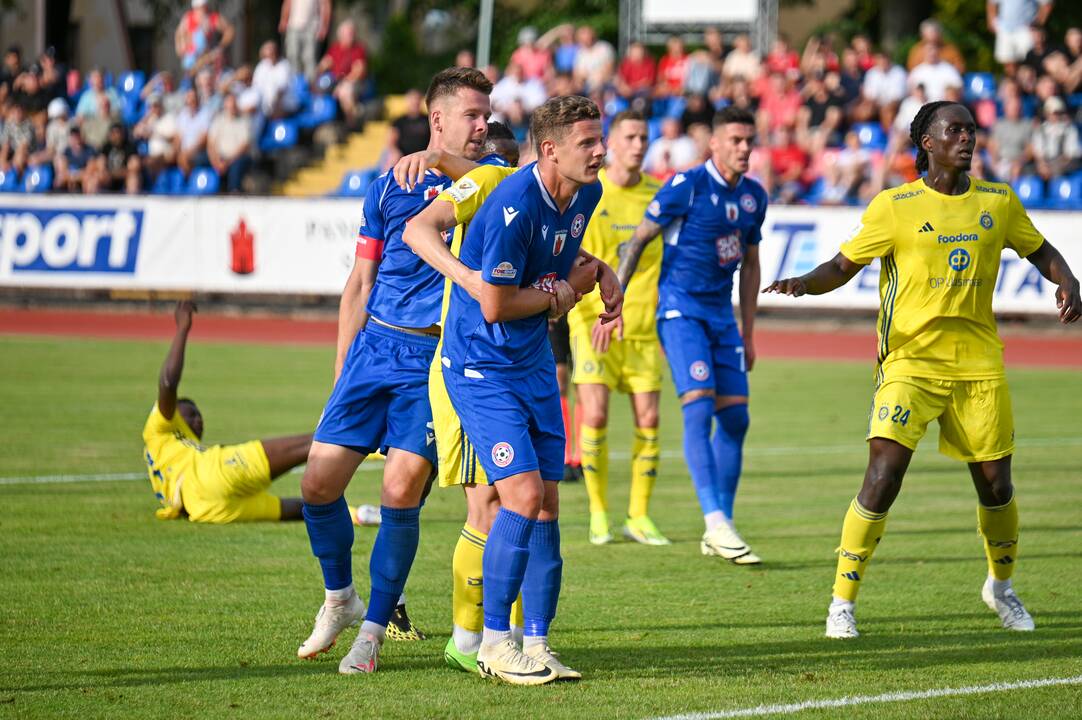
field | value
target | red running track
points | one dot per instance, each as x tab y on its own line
1021	349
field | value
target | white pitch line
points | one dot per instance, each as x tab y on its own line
622	454
851	700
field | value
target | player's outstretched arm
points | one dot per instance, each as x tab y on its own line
831	275
411	169
1048	260
173	367
352	315
424	235
749	301
631	251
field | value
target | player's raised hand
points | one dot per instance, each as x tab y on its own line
612	294
788	286
564	297
601	334
411	169
183	314
1069	302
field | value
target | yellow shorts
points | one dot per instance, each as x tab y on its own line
457	463
629	366
230	485
975	419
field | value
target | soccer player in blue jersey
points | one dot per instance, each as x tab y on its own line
388	331
501	377
711	217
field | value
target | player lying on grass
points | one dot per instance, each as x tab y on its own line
712	218
211	483
939	241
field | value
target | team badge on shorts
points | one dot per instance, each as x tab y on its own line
748	203
502	454
699	370
883	412
577	225
986	220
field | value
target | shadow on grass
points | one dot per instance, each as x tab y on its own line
924	560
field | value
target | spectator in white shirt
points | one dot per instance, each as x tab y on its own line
1056	148
273	80
595	62
228	145
514	86
671	153
193	122
935	74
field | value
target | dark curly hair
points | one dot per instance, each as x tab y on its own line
919	127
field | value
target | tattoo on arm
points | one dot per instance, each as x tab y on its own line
631	251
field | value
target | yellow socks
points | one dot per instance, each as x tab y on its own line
467	593
861	533
595	465
999	527
644	459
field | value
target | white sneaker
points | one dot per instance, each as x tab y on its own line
1009	607
363	657
331	620
504	661
841	624
724	541
542	653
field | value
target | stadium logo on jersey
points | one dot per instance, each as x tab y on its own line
986	220
729	248
577	225
958	260
560	239
504	270
462	190
699	370
80	241
509	214
748	203
502	454
732	212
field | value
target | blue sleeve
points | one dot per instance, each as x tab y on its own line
372	223
756	234
672	201
505	248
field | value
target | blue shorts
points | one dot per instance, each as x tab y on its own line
381	397
513	425
702	357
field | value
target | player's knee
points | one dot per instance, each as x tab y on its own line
316	490
734	420
525	499
594	416
692	395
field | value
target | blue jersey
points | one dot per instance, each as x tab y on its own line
707	226
408	292
518	237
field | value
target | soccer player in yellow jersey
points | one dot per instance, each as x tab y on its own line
623	355
211	483
939	241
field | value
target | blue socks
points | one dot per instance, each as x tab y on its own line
330	531
698	418
544	572
504	566
392	557
728	448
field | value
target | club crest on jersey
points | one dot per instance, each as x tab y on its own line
699	370
986	220
502	454
577	225
748	202
432	192
958	260
559	242
732	212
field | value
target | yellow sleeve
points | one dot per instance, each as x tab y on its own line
1022	237
158	424
467	195
874	236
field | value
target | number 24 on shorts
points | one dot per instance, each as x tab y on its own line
900	414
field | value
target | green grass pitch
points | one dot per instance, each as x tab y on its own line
107	612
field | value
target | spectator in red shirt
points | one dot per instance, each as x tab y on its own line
672	69
637	72
782	58
535	61
780	103
346	61
787	162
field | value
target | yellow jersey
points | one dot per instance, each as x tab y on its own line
171	451
614	220
940	257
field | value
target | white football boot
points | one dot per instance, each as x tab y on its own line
363	657
542	653
504	661
841	624
331	620
724	541
1012	613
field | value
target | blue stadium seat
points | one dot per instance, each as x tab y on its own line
323	109
354	183
653	128
38	179
676	107
979	86
1065	193
131	110
203	181
9	181
169	182
278	135
131	83
871	136
1030	190
301	91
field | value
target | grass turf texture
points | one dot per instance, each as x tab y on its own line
108	612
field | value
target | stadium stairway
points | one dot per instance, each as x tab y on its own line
360	151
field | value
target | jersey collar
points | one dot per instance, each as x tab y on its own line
547	197
716	174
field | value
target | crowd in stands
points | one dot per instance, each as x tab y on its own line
199	132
